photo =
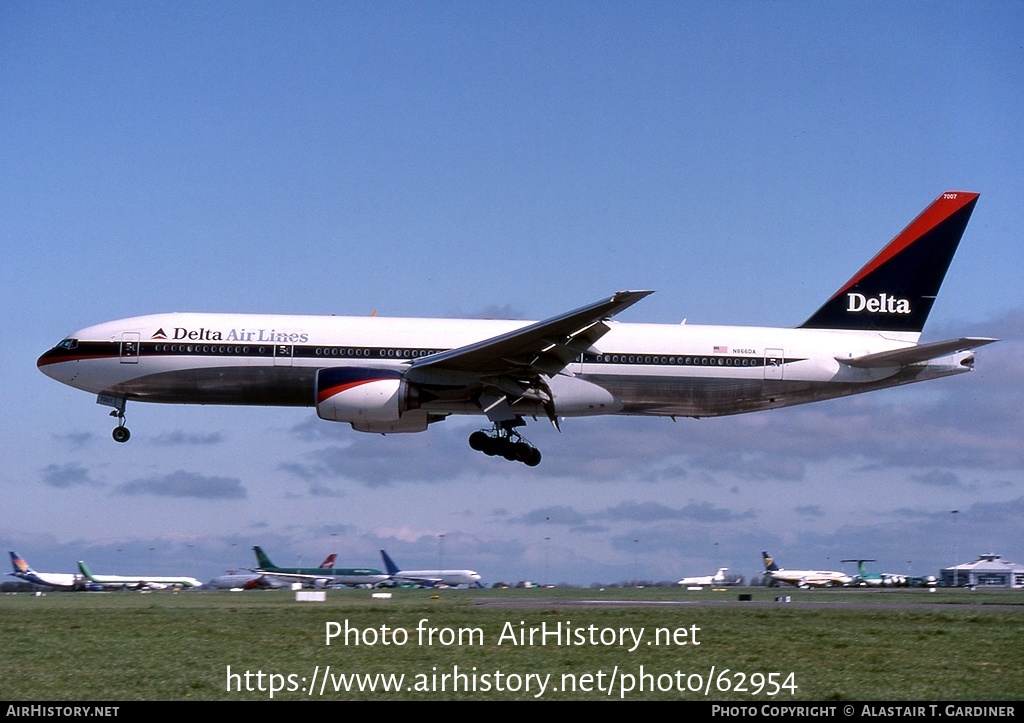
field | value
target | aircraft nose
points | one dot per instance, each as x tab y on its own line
53	361
45	363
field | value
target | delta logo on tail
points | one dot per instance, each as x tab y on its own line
883	304
895	291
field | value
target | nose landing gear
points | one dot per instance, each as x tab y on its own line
121	433
504	441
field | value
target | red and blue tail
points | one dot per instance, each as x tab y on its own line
895	291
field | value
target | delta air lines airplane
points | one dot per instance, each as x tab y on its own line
391	375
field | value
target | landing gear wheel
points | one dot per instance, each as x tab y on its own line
120	433
478	440
492	447
504	441
522	451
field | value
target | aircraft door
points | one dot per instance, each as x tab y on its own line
283	355
130	347
774	361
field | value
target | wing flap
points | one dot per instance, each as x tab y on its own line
916	354
550	364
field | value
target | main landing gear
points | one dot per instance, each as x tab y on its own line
504	441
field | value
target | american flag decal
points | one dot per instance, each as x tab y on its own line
721	349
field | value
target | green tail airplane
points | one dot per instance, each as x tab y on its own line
317	576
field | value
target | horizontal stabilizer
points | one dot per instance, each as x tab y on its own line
916	354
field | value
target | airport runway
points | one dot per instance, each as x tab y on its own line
526	603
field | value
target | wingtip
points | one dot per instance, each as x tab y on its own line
624	299
631	296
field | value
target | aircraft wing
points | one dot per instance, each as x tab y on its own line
916	354
510	367
293	576
427	580
545	347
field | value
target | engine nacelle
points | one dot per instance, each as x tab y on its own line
575	397
371	400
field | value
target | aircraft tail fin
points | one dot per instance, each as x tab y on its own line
895	291
19	564
328	563
861	569
389	564
84	569
262	561
769	563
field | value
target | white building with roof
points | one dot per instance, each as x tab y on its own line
989	570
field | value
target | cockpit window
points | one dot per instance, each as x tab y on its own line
68	344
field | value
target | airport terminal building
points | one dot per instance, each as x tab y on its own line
989	570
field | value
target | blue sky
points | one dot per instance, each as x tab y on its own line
467	159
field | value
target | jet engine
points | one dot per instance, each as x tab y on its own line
574	397
371	400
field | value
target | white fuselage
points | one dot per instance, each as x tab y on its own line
642	369
811	578
55	580
144	583
327	580
443	577
703	580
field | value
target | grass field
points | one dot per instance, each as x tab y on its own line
824	645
